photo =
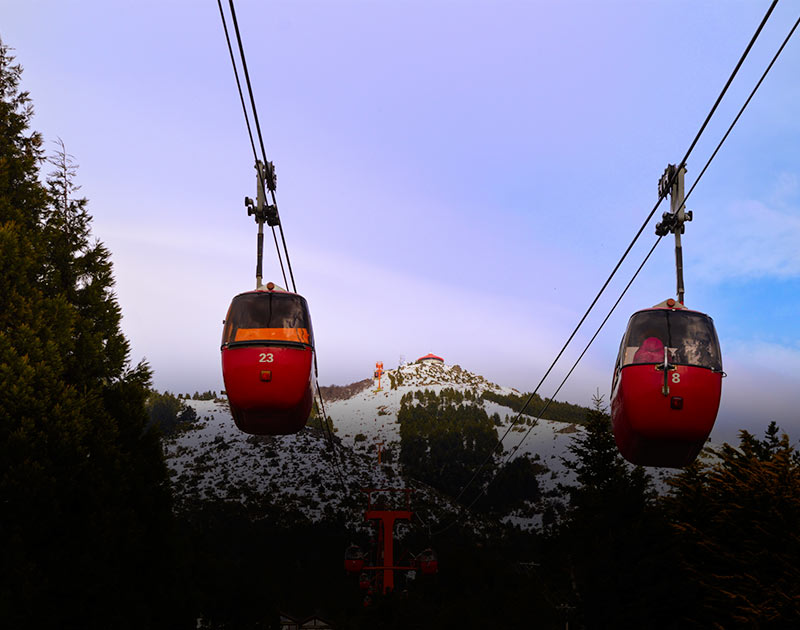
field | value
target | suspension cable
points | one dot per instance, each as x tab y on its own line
270	182
270	187
686	197
261	181
483	490
746	103
329	438
586	348
327	427
238	83
661	197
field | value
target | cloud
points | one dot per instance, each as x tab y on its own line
752	240
761	386
786	189
767	359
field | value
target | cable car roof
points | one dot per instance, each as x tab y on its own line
671	303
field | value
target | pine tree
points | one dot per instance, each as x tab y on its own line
738	520
515	483
86	505
168	412
613	546
442	442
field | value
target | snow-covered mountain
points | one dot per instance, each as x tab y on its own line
373	414
212	459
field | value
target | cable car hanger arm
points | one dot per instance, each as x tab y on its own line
666	367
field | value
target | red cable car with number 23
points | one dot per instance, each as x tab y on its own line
268	361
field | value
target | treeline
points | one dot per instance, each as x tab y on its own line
87	535
341	392
169	412
443	437
736	528
447	437
209	395
719	550
560	411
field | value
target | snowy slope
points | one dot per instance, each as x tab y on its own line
212	459
373	414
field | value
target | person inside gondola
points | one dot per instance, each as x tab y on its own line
651	351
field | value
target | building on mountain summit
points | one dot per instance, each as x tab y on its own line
430	358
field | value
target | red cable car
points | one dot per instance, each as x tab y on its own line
268	361
353	559
428	562
667	386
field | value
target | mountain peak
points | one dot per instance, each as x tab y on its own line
432	373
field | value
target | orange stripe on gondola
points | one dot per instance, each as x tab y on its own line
269	334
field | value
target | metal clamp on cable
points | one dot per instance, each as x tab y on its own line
670	223
271	215
268	214
667	224
271	176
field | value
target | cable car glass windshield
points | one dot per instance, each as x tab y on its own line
268	317
689	339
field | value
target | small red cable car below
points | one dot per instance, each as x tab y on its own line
353	559
428	562
268	361
667	385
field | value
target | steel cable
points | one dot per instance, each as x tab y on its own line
661	197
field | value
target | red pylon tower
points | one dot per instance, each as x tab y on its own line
376	567
385	520
379	373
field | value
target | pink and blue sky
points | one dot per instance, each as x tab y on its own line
453	177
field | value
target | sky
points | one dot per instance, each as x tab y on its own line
453	177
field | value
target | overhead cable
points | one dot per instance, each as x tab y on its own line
271	186
688	194
686	197
328	433
262	183
630	246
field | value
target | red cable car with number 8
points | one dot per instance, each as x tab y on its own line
268	361
667	385
668	377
